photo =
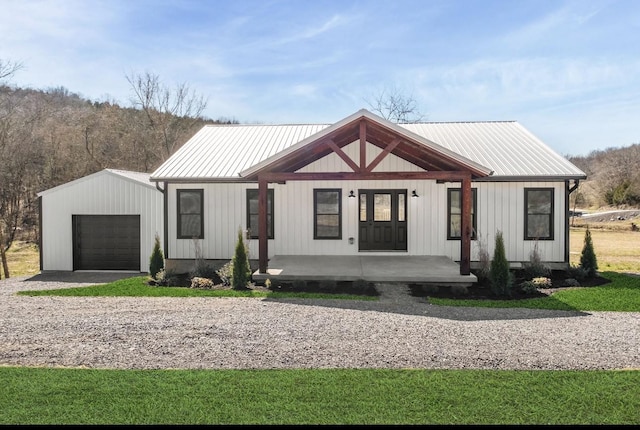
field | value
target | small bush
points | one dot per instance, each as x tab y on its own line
201	283
500	276
570	282
528	287
225	273
577	272
156	261
240	270
484	261
535	268
165	279
588	259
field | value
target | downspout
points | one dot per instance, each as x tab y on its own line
165	221
567	246
40	230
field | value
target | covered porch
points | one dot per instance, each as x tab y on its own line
427	269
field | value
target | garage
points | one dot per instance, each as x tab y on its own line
106	242
105	221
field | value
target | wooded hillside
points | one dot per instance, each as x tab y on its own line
613	178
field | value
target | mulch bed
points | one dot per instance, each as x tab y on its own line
482	290
478	291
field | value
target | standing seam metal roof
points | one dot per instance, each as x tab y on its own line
223	151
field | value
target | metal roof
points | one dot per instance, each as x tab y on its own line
138	177
222	152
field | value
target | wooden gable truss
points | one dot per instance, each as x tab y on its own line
438	165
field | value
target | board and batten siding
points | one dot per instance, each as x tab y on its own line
500	207
99	194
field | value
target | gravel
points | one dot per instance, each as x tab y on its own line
398	331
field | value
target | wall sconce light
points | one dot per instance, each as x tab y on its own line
414	194
351	194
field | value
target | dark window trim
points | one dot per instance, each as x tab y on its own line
315	213
270	200
474	215
179	225
550	215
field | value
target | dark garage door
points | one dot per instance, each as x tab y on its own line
106	242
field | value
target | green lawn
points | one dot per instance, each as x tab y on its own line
329	396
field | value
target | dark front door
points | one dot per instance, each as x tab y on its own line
383	220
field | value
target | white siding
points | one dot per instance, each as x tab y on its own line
103	193
500	207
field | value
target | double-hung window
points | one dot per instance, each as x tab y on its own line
190	214
252	213
454	214
327	218
538	216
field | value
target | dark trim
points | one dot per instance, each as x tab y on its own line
165	220
315	213
474	214
566	219
550	215
556	178
251	194
179	217
40	230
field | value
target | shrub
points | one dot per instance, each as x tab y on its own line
241	270
535	267
201	269
588	259
500	276
528	287
484	261
225	272
165	279
156	261
570	282
577	272
201	283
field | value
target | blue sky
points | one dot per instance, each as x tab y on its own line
567	70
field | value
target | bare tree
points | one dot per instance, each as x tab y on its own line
171	113
393	105
8	68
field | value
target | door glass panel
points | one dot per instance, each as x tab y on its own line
382	207
363	207
401	206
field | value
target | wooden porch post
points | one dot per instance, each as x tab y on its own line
263	244
465	245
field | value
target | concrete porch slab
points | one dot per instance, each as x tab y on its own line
428	269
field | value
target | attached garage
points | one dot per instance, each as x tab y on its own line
104	221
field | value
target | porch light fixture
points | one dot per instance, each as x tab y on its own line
351	194
414	194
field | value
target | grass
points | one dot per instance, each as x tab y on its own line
340	396
313	396
137	286
23	259
616	250
621	295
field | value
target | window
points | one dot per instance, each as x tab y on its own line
252	213
454	213
538	217
327	219
190	210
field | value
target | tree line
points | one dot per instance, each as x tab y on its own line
613	178
52	136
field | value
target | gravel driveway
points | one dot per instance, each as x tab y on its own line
398	331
